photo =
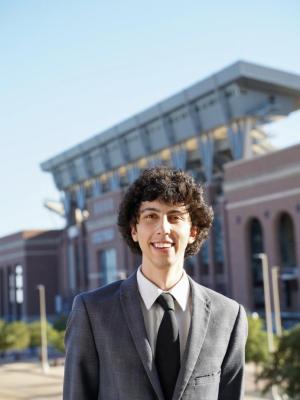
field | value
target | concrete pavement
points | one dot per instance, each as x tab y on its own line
26	381
20	381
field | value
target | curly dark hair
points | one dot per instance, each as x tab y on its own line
171	186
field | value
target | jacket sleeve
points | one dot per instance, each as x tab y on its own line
81	377
233	366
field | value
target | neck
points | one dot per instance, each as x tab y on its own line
164	279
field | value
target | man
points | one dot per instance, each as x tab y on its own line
158	334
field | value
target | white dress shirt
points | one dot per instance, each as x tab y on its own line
153	312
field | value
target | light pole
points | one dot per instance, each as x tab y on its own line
43	322
267	297
264	262
278	326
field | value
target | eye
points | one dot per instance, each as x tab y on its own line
150	216
175	218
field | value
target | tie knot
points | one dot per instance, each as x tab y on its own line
166	300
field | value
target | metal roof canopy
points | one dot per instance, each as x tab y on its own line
239	92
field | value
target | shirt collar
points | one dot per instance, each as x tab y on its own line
150	292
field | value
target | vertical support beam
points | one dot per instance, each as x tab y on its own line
105	157
97	187
178	158
72	171
57	178
144	137
239	131
88	165
133	174
67	202
114	181
193	114
124	149
154	162
239	138
167	126
206	149
80	197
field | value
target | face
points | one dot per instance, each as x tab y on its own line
163	232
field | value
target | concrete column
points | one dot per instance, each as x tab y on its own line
80	197
193	114
239	138
114	181
97	187
105	157
144	137
67	202
124	149
178	159
206	149
88	165
167	126
132	174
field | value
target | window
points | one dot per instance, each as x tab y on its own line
287	256
286	241
107	264
204	256
218	244
256	247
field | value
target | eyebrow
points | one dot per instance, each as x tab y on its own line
174	211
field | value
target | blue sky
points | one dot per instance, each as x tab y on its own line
70	69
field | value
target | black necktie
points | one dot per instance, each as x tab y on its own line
167	351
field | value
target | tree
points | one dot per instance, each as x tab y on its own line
284	368
14	336
257	345
58	341
35	333
2	335
60	323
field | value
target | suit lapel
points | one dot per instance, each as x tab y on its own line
130	302
198	328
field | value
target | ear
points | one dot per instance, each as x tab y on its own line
193	234
134	233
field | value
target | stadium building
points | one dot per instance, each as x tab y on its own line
215	131
28	259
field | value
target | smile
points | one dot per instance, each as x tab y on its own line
163	245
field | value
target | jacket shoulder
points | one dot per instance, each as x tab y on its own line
218	302
101	294
221	299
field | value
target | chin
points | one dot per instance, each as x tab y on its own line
167	264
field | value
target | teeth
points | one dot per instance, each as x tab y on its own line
162	245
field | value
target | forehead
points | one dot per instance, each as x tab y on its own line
162	207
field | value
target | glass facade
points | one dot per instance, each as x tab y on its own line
107	264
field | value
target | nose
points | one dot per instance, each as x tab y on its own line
164	226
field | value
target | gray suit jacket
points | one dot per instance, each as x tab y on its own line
108	355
